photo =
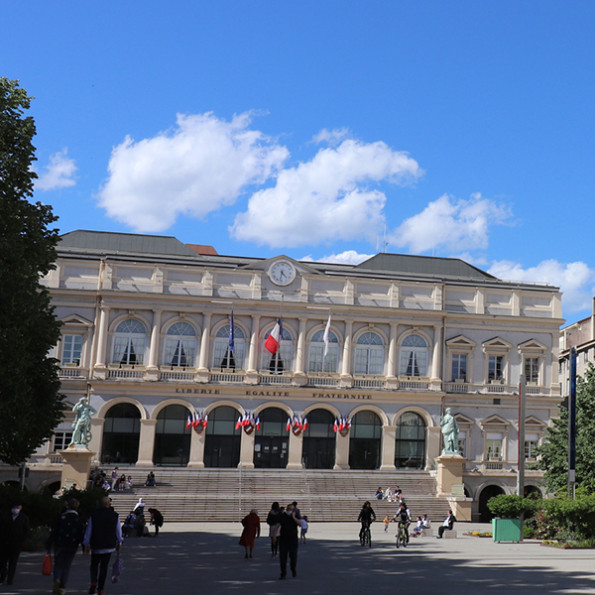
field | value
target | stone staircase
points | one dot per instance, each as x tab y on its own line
202	495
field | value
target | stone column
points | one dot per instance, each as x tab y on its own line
153	364
433	447
436	378
342	452
247	451
387	459
146	443
299	377
99	366
202	374
96	437
294	456
346	377
391	371
252	367
197	449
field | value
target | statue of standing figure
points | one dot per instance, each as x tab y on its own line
450	433
81	427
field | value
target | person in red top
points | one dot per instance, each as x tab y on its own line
251	523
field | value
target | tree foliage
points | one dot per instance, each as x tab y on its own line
554	452
30	402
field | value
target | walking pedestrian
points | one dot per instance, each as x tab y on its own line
65	538
274	523
103	536
14	528
251	523
288	540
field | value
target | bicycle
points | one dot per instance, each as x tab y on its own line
402	536
365	535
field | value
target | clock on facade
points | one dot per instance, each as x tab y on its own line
282	272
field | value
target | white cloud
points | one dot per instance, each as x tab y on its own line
58	173
330	137
454	225
575	279
347	257
201	165
326	199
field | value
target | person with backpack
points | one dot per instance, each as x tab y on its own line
65	538
156	519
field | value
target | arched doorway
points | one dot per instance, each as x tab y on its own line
364	441
485	516
172	437
271	442
410	448
318	445
222	442
532	492
121	434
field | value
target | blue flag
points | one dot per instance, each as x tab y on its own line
231	345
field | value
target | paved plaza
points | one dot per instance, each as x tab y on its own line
190	558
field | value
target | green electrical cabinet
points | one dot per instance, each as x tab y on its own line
506	529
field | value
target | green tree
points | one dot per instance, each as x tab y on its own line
554	452
30	401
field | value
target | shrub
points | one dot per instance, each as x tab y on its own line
511	506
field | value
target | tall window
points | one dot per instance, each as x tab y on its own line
531	444
459	366
180	345
494	446
282	360
317	361
532	369
414	356
72	347
223	357
129	343
496	367
369	354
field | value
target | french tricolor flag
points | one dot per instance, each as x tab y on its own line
274	339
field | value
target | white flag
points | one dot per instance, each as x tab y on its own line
326	335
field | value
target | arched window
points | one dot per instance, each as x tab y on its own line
278	362
180	345
414	356
222	442
369	354
317	361
365	441
129	342
223	356
121	434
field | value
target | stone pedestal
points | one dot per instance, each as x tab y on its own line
76	467
450	473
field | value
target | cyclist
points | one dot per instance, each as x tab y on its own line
403	517
366	516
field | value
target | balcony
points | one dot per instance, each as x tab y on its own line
125	372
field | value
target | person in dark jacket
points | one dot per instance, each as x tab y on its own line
14	528
156	519
66	536
288	540
103	537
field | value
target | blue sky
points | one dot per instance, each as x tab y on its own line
323	130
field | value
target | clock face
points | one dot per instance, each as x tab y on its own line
282	272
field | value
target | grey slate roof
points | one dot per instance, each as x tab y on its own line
424	265
104	242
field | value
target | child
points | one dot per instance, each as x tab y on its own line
304	528
386	522
418	527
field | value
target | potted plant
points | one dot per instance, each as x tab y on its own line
508	510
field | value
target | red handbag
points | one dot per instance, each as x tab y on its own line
47	565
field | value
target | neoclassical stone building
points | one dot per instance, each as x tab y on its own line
146	334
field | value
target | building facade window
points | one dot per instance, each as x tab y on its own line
495	368
317	361
369	354
414	356
493	446
180	345
410	448
223	357
130	340
531	444
532	370
282	361
72	348
61	440
459	367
